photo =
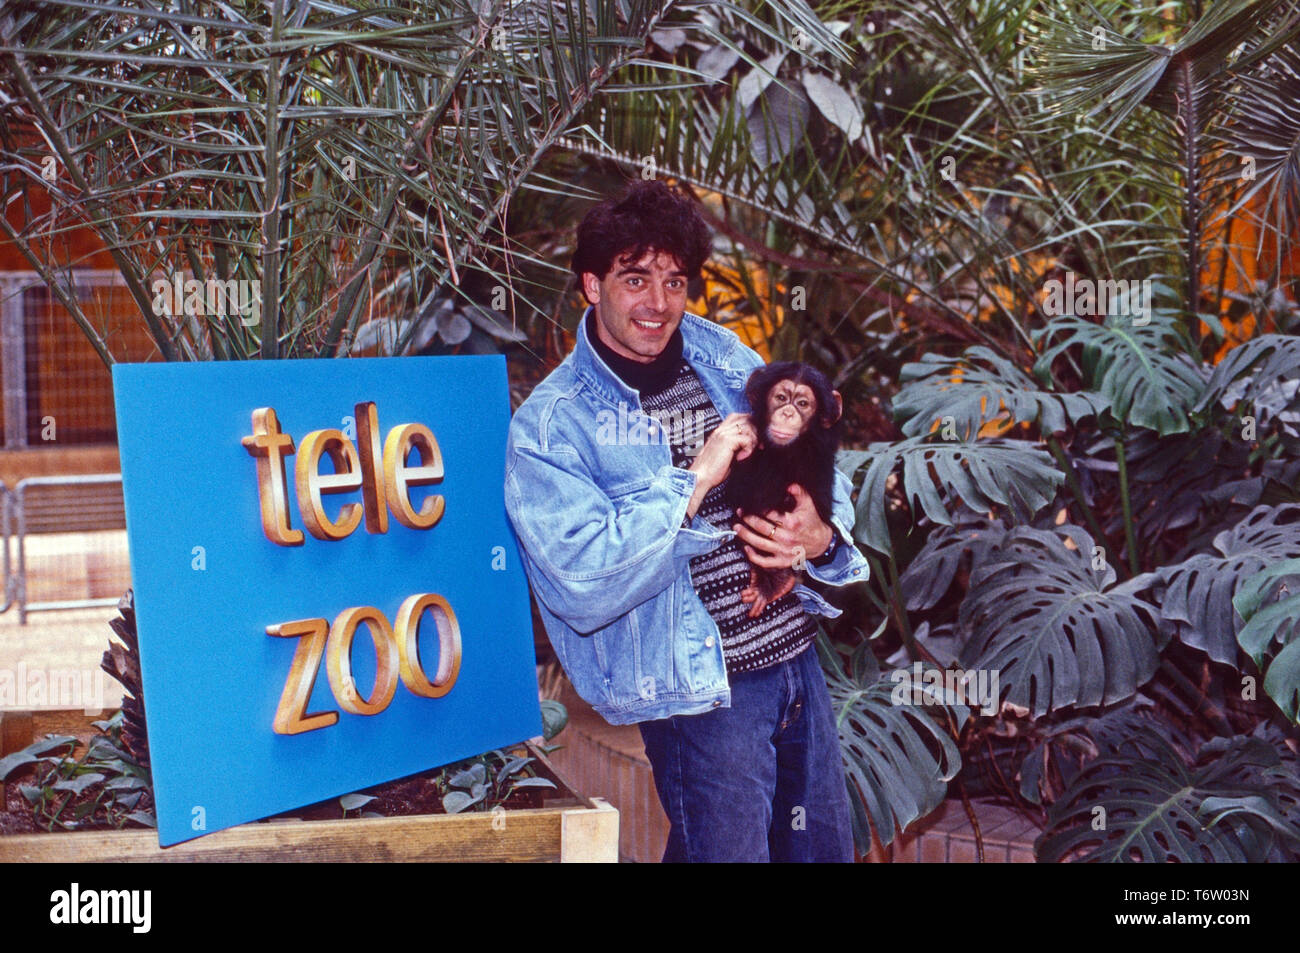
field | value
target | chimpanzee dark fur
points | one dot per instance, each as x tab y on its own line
759	483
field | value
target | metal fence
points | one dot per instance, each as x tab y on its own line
56	391
64	544
70	537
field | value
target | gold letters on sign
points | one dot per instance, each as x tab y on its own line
397	655
384	479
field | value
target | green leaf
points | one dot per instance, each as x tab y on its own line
126	784
102	748
1260	375
930	574
834	102
898	758
1265	125
79	783
510	767
980	474
453	327
1157	809
1143	371
111	723
350	802
1059	632
454	802
475	774
1199	591
32	753
495	323
1126	73
1251	804
777	121
129	800
938	387
1269	621
554	717
533	783
1282	681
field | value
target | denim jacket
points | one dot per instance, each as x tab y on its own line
604	540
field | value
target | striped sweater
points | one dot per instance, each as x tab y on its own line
783	630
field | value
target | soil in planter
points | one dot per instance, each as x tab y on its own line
17	814
417	794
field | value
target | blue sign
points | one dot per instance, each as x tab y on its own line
328	592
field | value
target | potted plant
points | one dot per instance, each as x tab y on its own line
91	796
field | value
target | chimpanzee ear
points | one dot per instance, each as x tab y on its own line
839	409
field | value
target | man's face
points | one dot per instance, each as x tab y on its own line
638	304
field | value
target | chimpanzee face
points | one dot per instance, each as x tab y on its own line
790	409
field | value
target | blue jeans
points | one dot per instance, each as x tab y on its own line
759	781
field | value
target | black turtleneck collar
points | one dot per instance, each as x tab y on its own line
655	375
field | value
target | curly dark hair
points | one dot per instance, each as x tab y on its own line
649	216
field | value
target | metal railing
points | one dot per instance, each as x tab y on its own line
11	581
16	502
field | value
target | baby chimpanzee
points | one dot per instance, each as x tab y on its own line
797	416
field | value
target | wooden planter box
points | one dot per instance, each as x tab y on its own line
570	828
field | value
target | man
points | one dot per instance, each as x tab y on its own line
637	562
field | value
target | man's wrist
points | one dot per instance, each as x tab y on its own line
829	553
697	495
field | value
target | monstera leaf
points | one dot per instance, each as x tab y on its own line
1263	375
939	387
1149	805
930	573
1270	605
898	757
1199	591
1254	368
1064	748
981	474
1051	619
1143	370
1180	482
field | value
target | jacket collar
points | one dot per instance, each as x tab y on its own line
703	342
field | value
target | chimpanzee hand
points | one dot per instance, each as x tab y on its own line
777	540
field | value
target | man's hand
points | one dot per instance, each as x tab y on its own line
777	540
733	439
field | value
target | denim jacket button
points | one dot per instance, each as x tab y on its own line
708	643
717	703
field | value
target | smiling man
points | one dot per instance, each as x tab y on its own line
637	562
